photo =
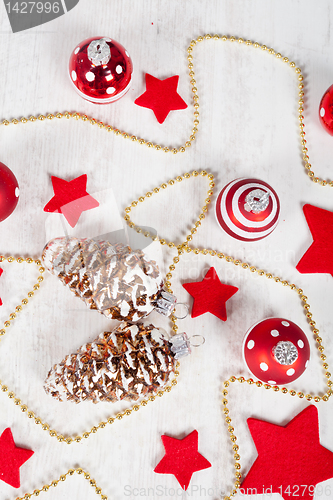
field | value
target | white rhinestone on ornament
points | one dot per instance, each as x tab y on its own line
285	353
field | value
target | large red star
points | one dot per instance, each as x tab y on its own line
319	256
182	458
210	295
70	198
161	96
291	460
11	459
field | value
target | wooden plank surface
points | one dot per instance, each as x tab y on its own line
248	127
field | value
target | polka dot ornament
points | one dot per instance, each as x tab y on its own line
100	70
9	192
326	110
276	351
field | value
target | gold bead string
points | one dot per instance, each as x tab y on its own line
30	414
182	248
181	149
164	186
101	425
62	479
185	248
36	287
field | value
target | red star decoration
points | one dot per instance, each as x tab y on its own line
319	256
290	458
161	96
11	459
70	198
210	295
182	458
1	271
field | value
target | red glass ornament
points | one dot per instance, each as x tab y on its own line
247	209
9	192
276	351
100	70
326	110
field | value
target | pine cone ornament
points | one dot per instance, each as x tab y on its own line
120	283
125	364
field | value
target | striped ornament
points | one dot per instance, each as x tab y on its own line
247	209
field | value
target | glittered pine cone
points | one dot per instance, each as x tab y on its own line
120	283
130	362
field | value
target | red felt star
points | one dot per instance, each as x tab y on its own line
210	295
70	198
182	458
291	460
1	271
161	96
319	256
11	459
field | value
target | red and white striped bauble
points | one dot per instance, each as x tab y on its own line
248	209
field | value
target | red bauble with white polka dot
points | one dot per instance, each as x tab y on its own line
100	70
326	110
9	192
247	209
276	351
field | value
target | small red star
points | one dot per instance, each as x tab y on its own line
161	96
210	295
319	256
291	460
11	459
70	198
182	458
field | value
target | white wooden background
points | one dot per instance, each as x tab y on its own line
248	127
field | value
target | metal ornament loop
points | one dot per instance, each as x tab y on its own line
186	308
203	340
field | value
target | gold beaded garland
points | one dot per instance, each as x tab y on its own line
25	301
63	478
181	248
181	149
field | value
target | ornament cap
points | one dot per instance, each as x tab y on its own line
285	352
180	345
256	201
99	52
165	303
